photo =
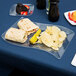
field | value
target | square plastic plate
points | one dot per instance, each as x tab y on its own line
58	54
12	11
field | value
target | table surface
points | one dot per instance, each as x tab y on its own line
5	70
33	55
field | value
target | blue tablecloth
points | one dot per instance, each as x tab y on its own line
36	59
5	70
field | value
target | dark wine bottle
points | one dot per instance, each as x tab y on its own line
41	4
53	11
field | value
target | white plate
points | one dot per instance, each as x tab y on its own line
74	61
66	16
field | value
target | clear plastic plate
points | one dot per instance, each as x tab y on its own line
58	54
12	11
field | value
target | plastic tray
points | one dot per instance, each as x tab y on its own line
12	11
58	54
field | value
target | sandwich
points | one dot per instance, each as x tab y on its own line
16	35
27	25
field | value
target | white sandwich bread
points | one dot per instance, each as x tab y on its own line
27	25
17	35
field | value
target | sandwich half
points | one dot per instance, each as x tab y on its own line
16	35
27	25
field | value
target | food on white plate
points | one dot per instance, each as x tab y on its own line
27	25
34	38
52	37
72	16
16	35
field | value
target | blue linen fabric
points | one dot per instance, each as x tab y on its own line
35	60
5	70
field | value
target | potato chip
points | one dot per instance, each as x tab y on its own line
55	37
62	34
55	29
46	39
49	30
39	40
55	48
52	37
60	44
